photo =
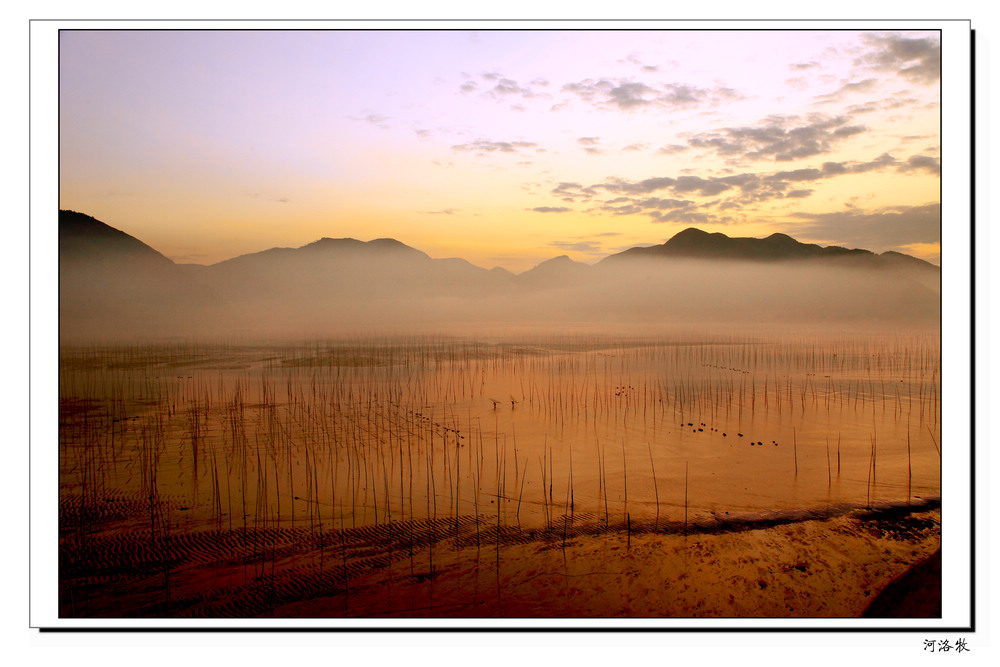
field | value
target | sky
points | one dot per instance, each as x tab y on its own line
505	148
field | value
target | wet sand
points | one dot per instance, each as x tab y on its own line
784	568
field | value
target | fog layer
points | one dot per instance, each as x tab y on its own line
114	287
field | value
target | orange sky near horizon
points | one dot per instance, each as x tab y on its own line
505	148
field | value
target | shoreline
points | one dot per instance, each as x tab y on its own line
796	567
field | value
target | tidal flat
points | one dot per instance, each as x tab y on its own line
530	475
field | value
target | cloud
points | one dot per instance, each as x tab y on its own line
879	229
658	209
673	149
634	60
702	186
917	137
628	95
565	188
501	87
590	144
687	216
621	210
746	182
798	83
779	181
587	247
926	163
624	94
592	244
621	186
636	147
882	161
804	66
834	168
656	202
885	104
679	95
723	94
848	131
864	86
733	191
799	175
572	191
508	87
779	138
551	209
444	211
867	107
484	146
378	120
917	59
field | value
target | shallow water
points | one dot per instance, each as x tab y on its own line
339	434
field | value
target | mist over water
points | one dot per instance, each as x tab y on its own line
299	297
114	287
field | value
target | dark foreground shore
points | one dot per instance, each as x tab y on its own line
851	563
914	594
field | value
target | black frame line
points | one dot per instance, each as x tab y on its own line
566	629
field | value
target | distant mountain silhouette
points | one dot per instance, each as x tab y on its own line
695	243
83	238
382	267
327	247
112	284
556	272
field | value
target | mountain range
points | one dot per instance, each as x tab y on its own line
114	285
